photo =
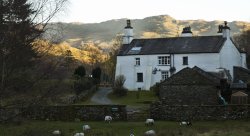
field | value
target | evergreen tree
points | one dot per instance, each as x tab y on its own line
80	72
96	73
16	37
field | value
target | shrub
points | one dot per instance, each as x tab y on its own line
119	89
83	84
97	74
80	72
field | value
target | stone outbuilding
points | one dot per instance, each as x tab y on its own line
241	75
191	86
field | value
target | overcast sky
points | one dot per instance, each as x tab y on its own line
94	11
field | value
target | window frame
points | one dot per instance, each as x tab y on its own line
137	61
139	77
185	60
164	60
164	76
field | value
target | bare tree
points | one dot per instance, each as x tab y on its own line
110	63
243	41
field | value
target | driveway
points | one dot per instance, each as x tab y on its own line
101	96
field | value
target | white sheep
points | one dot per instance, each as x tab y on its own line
79	134
108	119
86	127
187	123
149	122
56	132
150	133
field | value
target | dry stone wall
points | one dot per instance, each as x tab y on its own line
162	111
69	113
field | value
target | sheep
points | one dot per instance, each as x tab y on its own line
150	133
108	119
187	123
56	132
131	133
149	122
79	134
86	127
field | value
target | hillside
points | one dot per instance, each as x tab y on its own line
155	26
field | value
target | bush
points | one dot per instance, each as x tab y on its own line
119	89
80	72
156	89
97	74
83	84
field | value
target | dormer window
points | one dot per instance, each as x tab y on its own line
137	61
164	60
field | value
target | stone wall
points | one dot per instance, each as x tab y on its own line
191	87
190	94
69	113
161	111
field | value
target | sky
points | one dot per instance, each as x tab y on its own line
95	11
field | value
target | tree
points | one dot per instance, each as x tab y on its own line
243	40
21	23
96	73
80	72
110	63
17	33
119	89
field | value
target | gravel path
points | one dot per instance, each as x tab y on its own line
101	96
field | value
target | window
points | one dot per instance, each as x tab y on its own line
164	60
139	77
137	62
185	60
164	75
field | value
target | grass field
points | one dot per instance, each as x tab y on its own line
162	128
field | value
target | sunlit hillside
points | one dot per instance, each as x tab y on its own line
155	26
86	54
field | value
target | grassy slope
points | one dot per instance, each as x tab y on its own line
135	98
144	99
219	128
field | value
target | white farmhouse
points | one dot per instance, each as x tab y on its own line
145	62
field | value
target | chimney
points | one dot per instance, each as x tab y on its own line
225	30
128	33
186	32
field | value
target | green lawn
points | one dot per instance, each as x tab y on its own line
162	128
135	98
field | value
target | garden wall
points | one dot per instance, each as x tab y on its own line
68	113
161	111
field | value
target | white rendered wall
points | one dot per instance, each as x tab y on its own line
230	56
186	34
205	61
126	66
128	35
243	60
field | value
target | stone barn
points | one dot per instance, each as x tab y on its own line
191	86
241	75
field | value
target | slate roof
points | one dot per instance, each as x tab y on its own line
192	76
175	45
